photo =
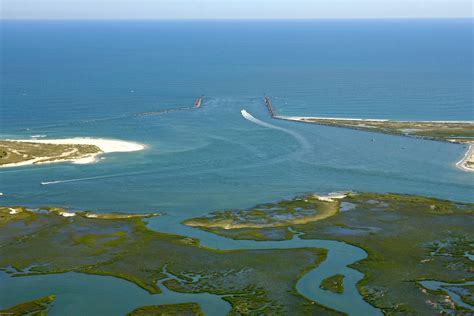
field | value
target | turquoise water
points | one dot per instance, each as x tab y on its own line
213	158
68	79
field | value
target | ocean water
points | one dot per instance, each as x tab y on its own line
68	79
89	79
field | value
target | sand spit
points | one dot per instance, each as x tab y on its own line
467	161
104	146
86	214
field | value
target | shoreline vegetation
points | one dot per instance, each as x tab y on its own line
36	307
408	239
34	242
41	306
333	283
300	210
79	150
461	132
184	309
47	210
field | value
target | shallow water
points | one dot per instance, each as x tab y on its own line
89	78
340	255
452	289
247	164
347	206
82	294
68	79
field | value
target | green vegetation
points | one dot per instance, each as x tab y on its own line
106	240
457	131
271	233
253	281
408	239
38	307
468	297
300	210
13	152
333	283
185	309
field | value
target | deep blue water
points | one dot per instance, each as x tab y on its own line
73	79
395	69
65	79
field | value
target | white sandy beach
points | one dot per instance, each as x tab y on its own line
105	146
331	197
468	157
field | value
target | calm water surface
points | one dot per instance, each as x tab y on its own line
68	79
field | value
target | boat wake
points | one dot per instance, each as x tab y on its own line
92	178
301	140
71	180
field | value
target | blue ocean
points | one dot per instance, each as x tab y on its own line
97	78
89	78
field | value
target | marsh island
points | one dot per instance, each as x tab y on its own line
38	242
409	240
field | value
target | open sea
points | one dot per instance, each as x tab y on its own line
92	78
89	78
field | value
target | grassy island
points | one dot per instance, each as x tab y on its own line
333	283
242	223
83	150
408	239
37	307
445	131
15	153
186	309
47	241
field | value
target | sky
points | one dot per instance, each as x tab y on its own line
233	9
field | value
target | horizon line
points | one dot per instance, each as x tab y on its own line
243	19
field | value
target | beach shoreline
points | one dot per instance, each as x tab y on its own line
467	159
103	145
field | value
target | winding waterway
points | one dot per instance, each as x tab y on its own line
79	293
340	255
454	290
